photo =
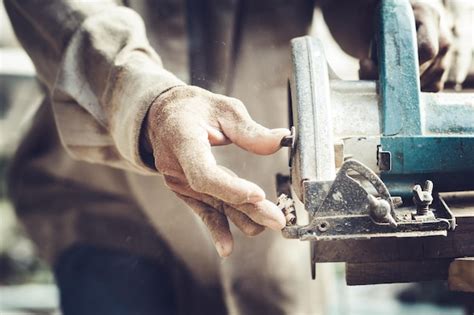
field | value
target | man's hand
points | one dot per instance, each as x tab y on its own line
434	38
181	126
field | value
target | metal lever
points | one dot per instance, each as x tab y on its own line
423	198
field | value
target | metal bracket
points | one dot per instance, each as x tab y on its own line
349	211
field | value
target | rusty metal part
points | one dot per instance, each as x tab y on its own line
348	196
408	259
289	141
423	198
287	206
393	129
380	211
313	154
348	211
397	201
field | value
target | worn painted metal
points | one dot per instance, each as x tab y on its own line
403	135
313	155
398	69
409	149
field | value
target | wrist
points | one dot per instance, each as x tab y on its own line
150	120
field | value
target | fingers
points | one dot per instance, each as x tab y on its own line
204	176
434	77
190	133
265	213
241	220
216	137
431	80
216	223
433	47
434	40
242	130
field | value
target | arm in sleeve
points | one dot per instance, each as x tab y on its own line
101	73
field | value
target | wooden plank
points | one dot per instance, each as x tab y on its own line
397	271
389	260
458	243
461	275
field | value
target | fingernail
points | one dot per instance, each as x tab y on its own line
276	219
221	250
276	225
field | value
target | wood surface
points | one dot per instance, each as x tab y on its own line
390	260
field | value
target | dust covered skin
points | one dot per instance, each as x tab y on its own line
181	126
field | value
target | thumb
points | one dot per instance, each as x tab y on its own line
242	130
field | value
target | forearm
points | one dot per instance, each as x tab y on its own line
44	28
100	70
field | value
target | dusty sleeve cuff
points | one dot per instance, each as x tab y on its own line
108	78
140	83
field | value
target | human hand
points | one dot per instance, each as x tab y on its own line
434	38
180	128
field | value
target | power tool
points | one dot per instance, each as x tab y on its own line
372	161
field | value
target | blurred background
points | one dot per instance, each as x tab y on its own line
26	283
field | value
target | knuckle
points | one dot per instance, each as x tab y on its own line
183	91
234	106
237	107
238	104
249	209
195	182
174	97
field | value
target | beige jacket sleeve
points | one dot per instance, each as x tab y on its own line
101	73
